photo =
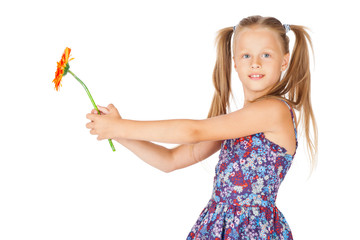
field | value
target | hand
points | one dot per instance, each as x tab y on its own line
104	124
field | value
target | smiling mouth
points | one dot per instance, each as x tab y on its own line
256	76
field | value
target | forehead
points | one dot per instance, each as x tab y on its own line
252	38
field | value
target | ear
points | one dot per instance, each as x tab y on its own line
285	62
234	62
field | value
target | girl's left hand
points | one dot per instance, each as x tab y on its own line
103	125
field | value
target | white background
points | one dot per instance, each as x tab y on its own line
153	60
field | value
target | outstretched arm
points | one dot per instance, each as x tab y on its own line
165	159
111	126
168	160
262	116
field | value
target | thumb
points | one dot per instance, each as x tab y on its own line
103	110
111	107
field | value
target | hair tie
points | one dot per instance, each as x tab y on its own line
234	28
287	27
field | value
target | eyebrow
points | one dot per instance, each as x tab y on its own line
265	50
268	50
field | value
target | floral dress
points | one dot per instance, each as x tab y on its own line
247	178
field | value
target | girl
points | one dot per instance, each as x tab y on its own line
258	142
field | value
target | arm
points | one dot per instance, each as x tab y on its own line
165	159
262	116
168	160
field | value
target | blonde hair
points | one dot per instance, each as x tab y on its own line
294	87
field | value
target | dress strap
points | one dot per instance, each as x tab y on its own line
292	116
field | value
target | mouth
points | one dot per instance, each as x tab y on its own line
256	76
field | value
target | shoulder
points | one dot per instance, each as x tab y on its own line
266	115
271	107
273	114
277	111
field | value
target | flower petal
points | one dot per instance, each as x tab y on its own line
61	67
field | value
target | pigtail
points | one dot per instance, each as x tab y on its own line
222	73
295	87
299	76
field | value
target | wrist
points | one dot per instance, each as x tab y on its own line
120	140
118	130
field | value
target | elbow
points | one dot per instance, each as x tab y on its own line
170	162
164	168
167	169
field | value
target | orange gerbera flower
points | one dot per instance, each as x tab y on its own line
62	68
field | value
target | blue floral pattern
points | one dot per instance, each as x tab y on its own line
247	178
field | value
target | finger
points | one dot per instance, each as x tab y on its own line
91	116
111	107
100	138
92	132
103	109
90	125
94	111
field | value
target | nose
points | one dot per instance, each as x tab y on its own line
255	64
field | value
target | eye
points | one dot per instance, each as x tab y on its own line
266	55
245	56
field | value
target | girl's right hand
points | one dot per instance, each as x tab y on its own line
103	110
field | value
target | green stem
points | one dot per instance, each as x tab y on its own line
93	103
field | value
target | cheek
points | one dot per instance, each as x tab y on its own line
276	65
275	76
240	67
240	73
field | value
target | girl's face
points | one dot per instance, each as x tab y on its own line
258	60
